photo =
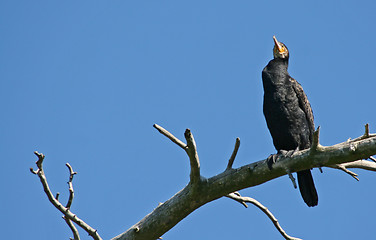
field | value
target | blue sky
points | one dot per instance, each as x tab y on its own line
84	81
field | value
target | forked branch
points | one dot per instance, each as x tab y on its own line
190	149
69	217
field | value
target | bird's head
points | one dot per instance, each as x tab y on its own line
280	50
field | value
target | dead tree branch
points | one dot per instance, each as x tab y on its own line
343	168
168	214
200	190
76	235
193	157
170	136
69	217
233	155
256	203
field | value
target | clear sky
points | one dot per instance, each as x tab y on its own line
84	81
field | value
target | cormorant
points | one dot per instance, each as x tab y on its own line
288	115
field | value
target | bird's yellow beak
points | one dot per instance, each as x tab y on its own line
278	45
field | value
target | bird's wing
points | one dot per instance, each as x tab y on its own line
304	105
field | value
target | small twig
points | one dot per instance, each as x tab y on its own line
256	203
193	156
233	155
343	168
320	168
292	178
366	130
170	136
372	158
67	213
33	171
71	191
315	141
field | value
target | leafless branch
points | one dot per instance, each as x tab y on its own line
170	136
265	210
292	179
200	191
166	215
71	192
343	168
233	155
361	164
366	130
70	201
76	235
68	215
193	156
315	141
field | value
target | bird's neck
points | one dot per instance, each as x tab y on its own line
281	62
276	73
278	66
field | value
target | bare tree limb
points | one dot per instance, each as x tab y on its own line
170	136
343	168
292	179
168	214
361	164
71	192
190	149
193	157
68	215
70	201
76	235
200	191
233	155
256	203
316	146
366	131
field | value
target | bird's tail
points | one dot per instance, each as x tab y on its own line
307	188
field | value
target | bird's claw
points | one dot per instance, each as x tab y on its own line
287	154
274	157
271	160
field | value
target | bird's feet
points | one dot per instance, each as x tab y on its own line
289	153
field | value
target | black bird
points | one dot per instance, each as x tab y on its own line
288	115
